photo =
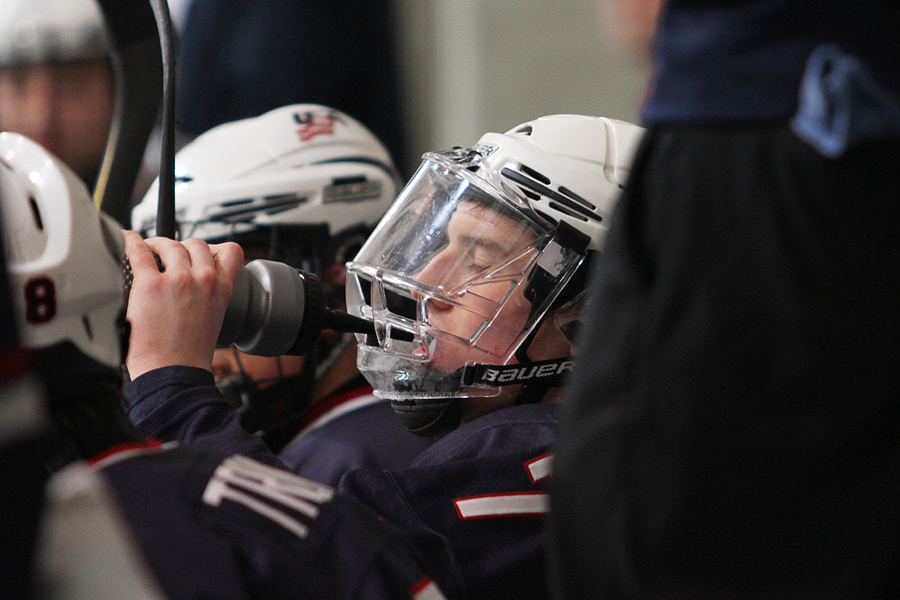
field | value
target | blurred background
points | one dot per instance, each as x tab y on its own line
471	66
423	75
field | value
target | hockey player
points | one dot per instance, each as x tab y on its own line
56	79
474	282
181	523
303	184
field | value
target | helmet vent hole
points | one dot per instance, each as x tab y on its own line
567	211
530	194
571	204
275	211
86	321
576	197
246	209
279	198
230	203
36	213
535	174
348	180
524	130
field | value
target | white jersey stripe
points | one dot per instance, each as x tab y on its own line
502	505
426	589
218	490
540	468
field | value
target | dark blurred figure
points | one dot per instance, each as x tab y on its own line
22	423
732	429
241	58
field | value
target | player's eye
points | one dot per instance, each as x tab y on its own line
475	258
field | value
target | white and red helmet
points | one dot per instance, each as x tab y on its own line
302	164
64	257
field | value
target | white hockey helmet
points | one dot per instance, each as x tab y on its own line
64	257
298	165
500	233
51	31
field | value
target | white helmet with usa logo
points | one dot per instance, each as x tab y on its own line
303	185
303	164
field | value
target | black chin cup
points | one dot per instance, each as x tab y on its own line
428	418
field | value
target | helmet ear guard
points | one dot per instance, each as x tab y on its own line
546	275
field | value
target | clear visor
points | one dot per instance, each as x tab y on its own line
443	277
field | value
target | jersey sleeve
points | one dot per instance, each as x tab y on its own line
304	540
183	404
232	527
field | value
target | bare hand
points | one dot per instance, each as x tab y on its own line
176	314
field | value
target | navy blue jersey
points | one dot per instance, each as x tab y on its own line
472	503
214	526
358	431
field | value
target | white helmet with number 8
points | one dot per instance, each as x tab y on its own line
64	257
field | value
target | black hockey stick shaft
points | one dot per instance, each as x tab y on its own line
138	68
165	210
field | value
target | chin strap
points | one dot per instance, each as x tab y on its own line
532	392
436	417
546	372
